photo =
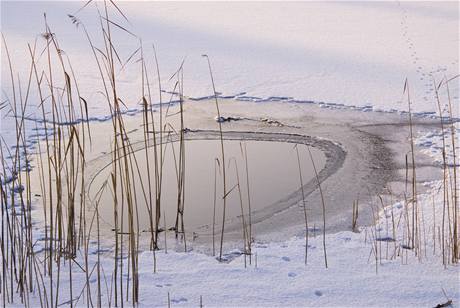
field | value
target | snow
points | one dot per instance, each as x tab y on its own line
281	278
354	53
